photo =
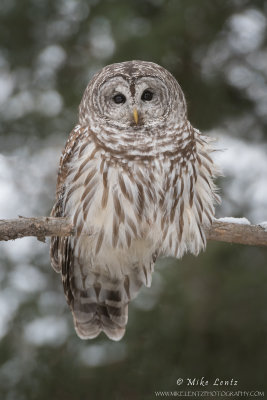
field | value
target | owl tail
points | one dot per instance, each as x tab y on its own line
103	306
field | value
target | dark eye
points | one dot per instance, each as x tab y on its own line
147	95
119	98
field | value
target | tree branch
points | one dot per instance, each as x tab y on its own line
236	232
40	227
223	231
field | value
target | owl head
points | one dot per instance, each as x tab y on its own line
133	95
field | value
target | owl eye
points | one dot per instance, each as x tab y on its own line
147	95
119	98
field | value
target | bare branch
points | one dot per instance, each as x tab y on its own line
41	227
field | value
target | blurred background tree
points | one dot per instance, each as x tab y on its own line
203	316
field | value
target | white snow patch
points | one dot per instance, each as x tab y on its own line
232	220
263	225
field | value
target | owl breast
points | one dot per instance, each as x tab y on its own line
126	211
114	214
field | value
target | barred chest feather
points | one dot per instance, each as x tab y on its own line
128	212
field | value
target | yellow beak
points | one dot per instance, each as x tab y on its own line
135	115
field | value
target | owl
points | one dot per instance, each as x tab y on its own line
136	181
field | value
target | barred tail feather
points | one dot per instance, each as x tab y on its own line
103	306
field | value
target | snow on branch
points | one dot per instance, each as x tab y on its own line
231	230
238	230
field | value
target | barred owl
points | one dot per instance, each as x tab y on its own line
136	181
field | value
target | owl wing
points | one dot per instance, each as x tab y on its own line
59	244
102	303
